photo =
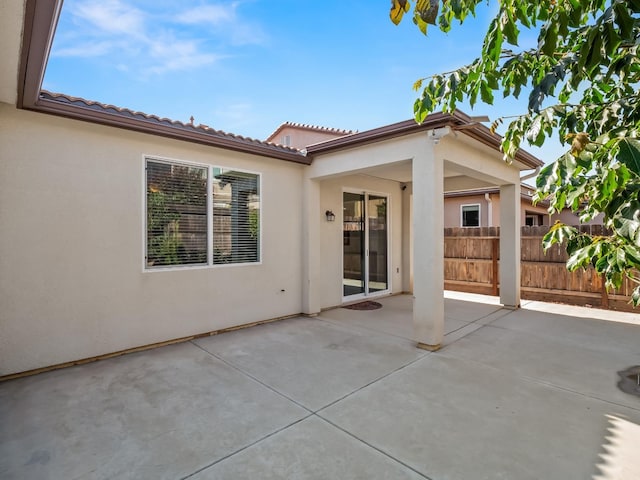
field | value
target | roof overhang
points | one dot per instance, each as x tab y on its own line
455	121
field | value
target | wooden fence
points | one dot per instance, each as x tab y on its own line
471	264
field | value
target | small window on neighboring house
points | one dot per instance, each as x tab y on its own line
533	219
286	140
200	215
470	215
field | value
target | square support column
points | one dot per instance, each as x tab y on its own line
510	245
312	216
428	242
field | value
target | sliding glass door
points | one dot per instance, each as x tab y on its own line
353	248
365	244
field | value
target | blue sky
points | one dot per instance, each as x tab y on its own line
247	66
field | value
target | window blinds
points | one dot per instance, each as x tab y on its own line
178	215
236	216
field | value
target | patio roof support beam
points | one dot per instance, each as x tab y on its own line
428	242
509	273
312	217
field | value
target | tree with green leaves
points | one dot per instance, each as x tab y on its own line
582	78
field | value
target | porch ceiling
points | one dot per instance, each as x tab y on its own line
401	172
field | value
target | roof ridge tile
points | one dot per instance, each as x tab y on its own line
317	127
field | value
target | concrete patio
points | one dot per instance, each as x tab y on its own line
514	394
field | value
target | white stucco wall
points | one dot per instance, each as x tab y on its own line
331	234
72	283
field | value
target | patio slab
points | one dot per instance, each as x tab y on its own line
309	450
396	317
160	414
455	419
561	361
311	361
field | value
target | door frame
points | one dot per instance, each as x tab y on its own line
366	294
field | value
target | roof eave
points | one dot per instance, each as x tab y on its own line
436	120
40	20
86	114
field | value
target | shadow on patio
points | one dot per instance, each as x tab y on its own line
523	394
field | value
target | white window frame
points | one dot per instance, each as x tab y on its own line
209	167
479	215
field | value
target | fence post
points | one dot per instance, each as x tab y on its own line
495	245
605	296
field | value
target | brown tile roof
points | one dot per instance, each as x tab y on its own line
313	128
117	116
457	120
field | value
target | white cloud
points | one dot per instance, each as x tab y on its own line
209	14
225	19
175	54
85	50
164	37
111	16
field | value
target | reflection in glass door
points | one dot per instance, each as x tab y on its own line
353	244
377	243
364	244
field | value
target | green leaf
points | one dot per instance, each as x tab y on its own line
626	223
580	258
486	93
629	154
635	296
509	28
558	233
549	39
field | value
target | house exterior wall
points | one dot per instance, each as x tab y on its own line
452	210
72	283
331	233
569	218
452	207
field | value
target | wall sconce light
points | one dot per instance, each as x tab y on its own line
331	217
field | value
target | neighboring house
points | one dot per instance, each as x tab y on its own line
121	230
481	208
300	136
569	218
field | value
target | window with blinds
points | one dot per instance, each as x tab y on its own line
236	216
198	215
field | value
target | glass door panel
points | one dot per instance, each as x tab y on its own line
377	236
353	230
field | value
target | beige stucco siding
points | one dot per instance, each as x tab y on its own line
72	283
331	234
